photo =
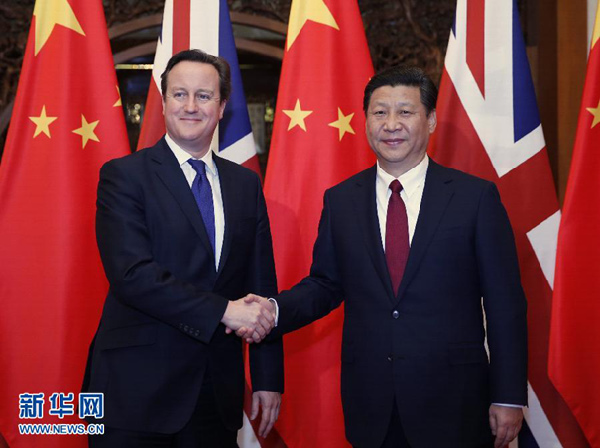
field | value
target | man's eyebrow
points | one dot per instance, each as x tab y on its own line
380	103
386	103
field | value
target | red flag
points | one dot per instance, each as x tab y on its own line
318	141
574	363
67	121
489	125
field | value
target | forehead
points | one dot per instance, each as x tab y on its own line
193	74
392	95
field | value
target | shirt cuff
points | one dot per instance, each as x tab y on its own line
509	405
272	300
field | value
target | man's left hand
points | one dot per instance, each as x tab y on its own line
505	422
269	402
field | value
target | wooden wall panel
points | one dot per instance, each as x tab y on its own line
572	61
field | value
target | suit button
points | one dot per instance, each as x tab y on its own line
390	358
395	314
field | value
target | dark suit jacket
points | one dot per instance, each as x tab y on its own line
425	346
160	328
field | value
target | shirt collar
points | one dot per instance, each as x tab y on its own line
411	180
183	156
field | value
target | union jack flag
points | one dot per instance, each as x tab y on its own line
489	125
205	25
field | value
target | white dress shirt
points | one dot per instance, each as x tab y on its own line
413	182
212	174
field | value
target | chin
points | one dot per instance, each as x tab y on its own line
395	157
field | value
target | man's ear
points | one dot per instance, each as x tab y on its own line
432	121
222	109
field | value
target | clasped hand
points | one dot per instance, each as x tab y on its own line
251	317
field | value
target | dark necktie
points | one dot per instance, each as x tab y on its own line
396	236
203	195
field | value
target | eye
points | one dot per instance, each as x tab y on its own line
203	97
405	112
379	113
179	95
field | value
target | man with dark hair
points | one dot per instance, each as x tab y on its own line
403	76
220	65
182	233
411	248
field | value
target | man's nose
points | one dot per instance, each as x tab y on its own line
392	123
191	105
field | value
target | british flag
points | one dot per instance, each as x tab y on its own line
489	125
205	25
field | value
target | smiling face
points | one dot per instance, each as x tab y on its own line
191	106
398	127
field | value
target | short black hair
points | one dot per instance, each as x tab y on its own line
220	64
401	75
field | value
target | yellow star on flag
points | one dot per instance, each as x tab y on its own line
297	116
42	123
48	14
304	10
595	111
343	123
87	131
118	102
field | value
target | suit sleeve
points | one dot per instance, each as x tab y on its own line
135	278
319	293
266	358
504	301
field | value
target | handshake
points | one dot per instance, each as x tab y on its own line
251	317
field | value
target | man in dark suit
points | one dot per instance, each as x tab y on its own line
411	248
182	233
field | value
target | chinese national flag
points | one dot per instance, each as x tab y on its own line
574	363
318	141
67	121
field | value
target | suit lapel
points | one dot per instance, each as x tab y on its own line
366	213
436	194
168	170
